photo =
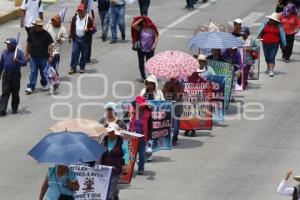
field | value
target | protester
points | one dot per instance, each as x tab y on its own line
117	156
111	118
289	191
203	67
59	35
144	6
39	52
151	91
145	31
216	55
251	47
31	10
173	91
272	34
140	122
90	41
60	180
10	69
237	26
117	16
81	36
103	10
291	23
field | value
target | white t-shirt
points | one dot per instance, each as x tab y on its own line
80	26
32	10
54	34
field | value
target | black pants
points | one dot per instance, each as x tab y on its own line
190	3
89	53
288	50
141	56
144	5
10	85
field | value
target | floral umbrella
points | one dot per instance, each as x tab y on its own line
172	64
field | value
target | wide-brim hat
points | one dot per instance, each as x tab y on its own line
113	128
296	178
274	16
38	22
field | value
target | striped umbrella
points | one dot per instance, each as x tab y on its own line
171	64
214	40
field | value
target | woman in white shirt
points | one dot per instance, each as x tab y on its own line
289	191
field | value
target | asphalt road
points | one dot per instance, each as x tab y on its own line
239	159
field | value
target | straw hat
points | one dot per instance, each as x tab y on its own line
274	16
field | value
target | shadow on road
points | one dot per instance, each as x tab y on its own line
184	143
160	159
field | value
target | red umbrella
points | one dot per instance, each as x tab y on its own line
172	64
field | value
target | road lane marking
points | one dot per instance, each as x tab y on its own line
188	15
250	19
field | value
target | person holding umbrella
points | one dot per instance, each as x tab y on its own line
289	191
59	181
216	55
272	34
145	32
11	61
117	156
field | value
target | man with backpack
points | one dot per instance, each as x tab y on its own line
103	8
31	10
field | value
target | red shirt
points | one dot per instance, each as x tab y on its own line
271	34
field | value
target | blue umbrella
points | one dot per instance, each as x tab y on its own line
214	40
67	148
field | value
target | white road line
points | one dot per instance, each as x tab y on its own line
250	20
178	21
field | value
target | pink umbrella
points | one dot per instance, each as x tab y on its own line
172	64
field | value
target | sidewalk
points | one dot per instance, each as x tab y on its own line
9	11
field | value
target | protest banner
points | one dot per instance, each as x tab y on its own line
197	104
161	125
227	70
133	141
93	182
218	100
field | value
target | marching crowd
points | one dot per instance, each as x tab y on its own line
43	54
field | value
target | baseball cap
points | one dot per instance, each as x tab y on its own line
245	30
11	41
201	57
81	7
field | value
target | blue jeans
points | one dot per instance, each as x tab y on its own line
142	154
104	18
175	127
80	46
270	51
117	16
37	64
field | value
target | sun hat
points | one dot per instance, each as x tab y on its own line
38	22
238	21
201	57
274	16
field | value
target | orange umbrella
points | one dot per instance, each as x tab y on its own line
91	127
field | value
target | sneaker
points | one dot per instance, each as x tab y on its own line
28	91
89	61
140	172
14	112
82	71
72	71
45	88
123	36
271	73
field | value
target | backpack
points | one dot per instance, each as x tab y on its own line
103	5
40	2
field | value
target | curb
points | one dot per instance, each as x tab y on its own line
10	15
